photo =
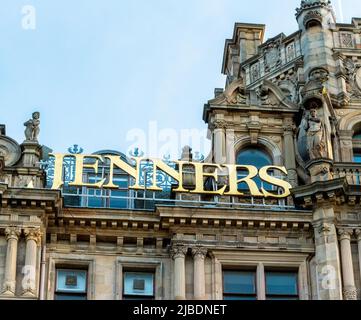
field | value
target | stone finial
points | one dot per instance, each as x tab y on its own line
32	127
187	154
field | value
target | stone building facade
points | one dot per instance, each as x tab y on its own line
292	101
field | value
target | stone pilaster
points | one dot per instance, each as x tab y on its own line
178	255
199	255
33	237
328	267
349	288
290	154
12	236
219	141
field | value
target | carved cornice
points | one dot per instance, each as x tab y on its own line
12	233
178	251
32	234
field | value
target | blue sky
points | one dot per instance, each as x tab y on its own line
96	69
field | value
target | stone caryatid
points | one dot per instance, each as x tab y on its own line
316	136
32	129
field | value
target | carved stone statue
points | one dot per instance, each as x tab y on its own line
32	127
316	136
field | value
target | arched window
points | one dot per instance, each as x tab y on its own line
357	147
256	157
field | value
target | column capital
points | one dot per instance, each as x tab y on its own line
358	234
199	252
219	124
178	251
350	293
345	234
32	234
12	233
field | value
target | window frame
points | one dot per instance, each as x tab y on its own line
134	296
245	295
285	296
71	294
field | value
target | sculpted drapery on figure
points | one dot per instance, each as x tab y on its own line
32	127
315	135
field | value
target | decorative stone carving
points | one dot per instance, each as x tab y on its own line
32	128
32	234
12	233
272	56
255	72
350	294
316	136
353	78
234	94
199	252
290	52
325	228
345	234
311	16
178	251
346	40
219	124
10	151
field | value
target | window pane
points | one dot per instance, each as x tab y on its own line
239	282
278	283
357	157
116	202
357	136
254	157
72	281
138	284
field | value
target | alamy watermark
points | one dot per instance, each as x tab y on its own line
28	17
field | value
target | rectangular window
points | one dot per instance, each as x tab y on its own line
71	284
282	285
239	285
138	286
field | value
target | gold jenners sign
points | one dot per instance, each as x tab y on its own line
250	175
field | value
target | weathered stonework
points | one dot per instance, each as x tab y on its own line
279	95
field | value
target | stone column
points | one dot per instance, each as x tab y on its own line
290	154
178	255
12	236
199	255
219	141
349	288
358	234
33	237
